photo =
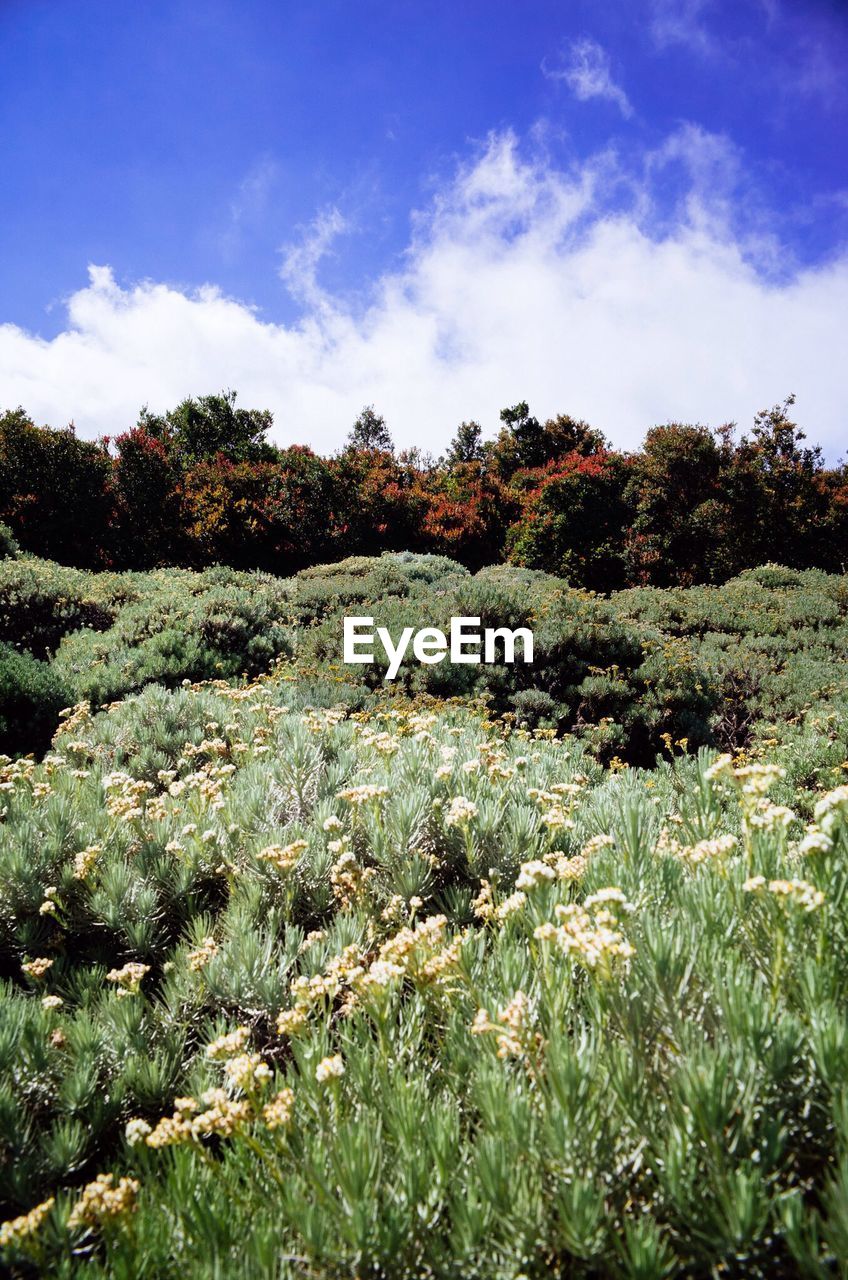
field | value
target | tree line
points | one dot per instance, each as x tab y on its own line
202	484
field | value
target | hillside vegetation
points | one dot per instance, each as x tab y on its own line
498	972
202	485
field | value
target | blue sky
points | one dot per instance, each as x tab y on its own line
329	204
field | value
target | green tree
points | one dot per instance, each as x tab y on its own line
370	432
199	430
466	446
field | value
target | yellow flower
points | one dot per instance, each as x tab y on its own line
330	1069
16	1230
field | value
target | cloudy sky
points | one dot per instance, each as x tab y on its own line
634	211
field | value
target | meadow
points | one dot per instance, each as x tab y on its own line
500	972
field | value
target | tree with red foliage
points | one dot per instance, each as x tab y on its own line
574	520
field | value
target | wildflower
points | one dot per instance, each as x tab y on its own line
128	979
332	823
136	1131
832	810
772	816
47	908
278	1112
229	1045
102	1201
815	841
533	874
461	812
590	933
291	1021
283	858
85	859
510	905
17	1230
314	936
52	1002
753	884
349	880
704	852
366	794
570	868
798	892
330	1069
604	896
513	1029
207	951
38	967
247	1070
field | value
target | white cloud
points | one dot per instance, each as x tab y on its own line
679	22
518	283
587	74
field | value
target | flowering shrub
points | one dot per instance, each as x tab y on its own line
409	989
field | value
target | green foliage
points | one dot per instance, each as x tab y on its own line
201	429
31	696
536	1017
9	548
219	624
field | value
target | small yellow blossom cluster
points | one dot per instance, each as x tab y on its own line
356	797
485	906
709	853
221	1117
328	1069
831	811
283	858
421	954
349	879
49	906
277	1113
200	957
38	967
309	993
18	1230
126	797
752	782
204	786
85	860
76	717
797	893
228	1045
558	803
534	873
13	772
246	1071
380	740
103	1201
128	979
513	1029
590	933
461	812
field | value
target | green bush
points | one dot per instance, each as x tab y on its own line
219	624
9	548
31	696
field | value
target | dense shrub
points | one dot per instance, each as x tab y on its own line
32	694
8	543
195	626
475	1006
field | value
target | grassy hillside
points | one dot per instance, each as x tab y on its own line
504	972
